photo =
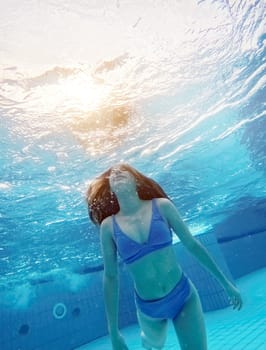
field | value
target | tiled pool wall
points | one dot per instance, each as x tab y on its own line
64	313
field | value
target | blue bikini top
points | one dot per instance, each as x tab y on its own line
160	236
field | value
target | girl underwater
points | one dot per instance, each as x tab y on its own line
136	219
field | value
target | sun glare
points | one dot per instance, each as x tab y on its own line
96	117
82	93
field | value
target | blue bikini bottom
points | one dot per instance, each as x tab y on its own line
169	306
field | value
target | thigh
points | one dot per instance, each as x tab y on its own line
153	331
190	325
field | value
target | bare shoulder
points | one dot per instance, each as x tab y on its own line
106	228
106	223
164	204
167	208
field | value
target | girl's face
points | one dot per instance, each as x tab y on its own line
121	179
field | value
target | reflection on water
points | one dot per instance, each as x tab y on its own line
175	88
102	130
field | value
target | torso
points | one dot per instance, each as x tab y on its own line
156	273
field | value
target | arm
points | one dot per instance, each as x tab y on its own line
110	284
198	250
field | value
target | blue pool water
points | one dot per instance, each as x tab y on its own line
176	89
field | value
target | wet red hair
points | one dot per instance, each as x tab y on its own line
103	203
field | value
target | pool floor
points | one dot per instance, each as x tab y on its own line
227	329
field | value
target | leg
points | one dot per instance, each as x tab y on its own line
153	331
189	324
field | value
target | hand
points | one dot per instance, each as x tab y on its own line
234	296
118	342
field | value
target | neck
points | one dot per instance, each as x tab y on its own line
129	203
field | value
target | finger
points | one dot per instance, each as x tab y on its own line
234	302
238	304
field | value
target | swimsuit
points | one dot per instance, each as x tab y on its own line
169	306
160	236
